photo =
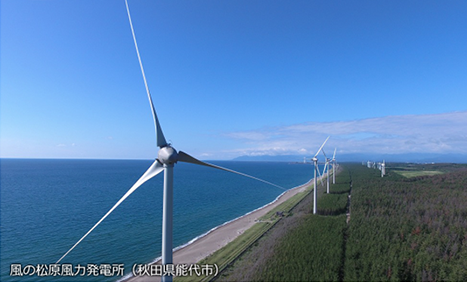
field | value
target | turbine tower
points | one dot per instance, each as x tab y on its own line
315	180
326	166
334	167
166	159
327	175
383	169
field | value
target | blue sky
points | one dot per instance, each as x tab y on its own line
232	78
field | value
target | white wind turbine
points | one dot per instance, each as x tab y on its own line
334	167
165	161
315	189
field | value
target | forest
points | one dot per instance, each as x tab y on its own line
407	228
389	229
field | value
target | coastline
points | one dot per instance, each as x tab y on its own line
218	237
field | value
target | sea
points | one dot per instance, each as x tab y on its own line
47	205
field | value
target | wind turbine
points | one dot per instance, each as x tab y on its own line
334	167
315	189
165	161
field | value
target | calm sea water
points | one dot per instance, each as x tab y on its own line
47	205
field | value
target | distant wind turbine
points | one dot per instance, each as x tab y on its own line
165	161
315	189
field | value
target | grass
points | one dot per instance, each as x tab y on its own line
287	205
414	173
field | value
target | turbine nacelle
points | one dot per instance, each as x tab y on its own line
167	155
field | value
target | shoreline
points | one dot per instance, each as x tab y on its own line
206	244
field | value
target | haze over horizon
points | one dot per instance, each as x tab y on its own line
230	79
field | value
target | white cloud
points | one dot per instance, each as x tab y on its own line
61	145
433	133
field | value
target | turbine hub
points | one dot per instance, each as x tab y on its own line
315	159
167	155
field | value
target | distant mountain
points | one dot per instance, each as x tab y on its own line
359	157
268	158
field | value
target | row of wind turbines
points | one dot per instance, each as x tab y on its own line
380	166
165	162
328	162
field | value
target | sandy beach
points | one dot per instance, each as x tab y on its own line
224	234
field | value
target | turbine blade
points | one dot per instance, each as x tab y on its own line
320	148
153	170
161	142
320	176
159	135
334	156
184	157
325	157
